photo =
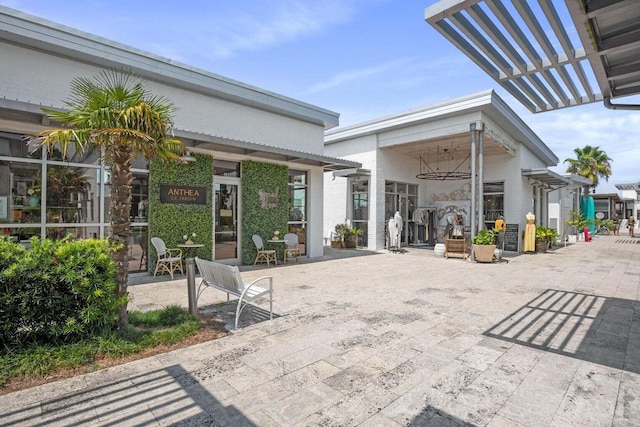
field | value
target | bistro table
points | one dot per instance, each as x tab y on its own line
191	276
277	241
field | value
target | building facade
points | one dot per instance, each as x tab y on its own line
470	158
230	129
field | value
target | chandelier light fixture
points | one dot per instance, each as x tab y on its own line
443	164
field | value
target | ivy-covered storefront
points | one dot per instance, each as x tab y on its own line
268	203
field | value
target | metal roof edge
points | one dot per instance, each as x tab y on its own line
24	29
529	138
417	115
288	155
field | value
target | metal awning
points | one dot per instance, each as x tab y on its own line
634	186
530	48
552	180
245	148
348	173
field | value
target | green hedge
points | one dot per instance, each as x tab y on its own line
58	291
171	222
263	177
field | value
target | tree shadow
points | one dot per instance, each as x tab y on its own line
587	327
168	396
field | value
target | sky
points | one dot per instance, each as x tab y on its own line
363	59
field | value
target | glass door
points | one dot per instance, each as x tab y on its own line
226	219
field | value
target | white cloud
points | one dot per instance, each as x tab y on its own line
273	23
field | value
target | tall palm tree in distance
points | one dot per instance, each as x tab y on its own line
590	162
114	114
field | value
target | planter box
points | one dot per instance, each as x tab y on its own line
337	244
484	253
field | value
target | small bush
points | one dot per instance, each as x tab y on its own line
56	292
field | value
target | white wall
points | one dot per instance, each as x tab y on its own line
44	79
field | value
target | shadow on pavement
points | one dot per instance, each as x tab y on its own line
583	326
170	396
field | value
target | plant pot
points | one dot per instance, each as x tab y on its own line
439	250
337	244
542	245
351	241
484	253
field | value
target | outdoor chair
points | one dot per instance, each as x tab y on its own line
226	278
292	250
263	255
169	260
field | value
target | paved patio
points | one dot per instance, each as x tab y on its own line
388	340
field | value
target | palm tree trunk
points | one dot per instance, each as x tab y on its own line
120	233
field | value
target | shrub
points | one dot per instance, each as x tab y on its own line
56	292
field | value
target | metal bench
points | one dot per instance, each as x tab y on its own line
227	278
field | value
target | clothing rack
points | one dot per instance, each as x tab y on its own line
424	227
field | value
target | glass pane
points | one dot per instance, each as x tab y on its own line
363	239
360	186
140	197
389	187
297	177
300	230
13	145
20	189
226	219
73	232
71	195
21	234
138	248
298	209
225	168
360	206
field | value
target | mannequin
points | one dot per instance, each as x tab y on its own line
395	229
530	233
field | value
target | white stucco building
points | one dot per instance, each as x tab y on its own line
431	160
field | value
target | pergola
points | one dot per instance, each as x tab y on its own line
546	53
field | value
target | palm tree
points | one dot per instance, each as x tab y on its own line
115	114
590	162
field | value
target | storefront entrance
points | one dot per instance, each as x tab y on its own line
226	219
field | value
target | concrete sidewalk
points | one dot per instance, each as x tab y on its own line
388	340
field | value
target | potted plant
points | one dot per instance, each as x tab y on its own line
339	233
542	243
577	222
351	237
484	245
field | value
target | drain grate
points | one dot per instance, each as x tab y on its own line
627	241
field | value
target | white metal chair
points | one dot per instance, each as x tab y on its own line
169	260
263	255
227	279
292	250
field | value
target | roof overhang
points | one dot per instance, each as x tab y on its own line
635	187
552	180
530	49
352	172
214	143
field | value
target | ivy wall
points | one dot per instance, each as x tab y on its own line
265	204
171	222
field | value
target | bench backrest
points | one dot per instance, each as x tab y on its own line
220	275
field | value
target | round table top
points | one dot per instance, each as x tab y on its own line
276	241
191	245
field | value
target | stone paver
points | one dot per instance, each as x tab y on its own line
384	339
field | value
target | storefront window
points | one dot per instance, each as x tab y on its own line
70	195
493	203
